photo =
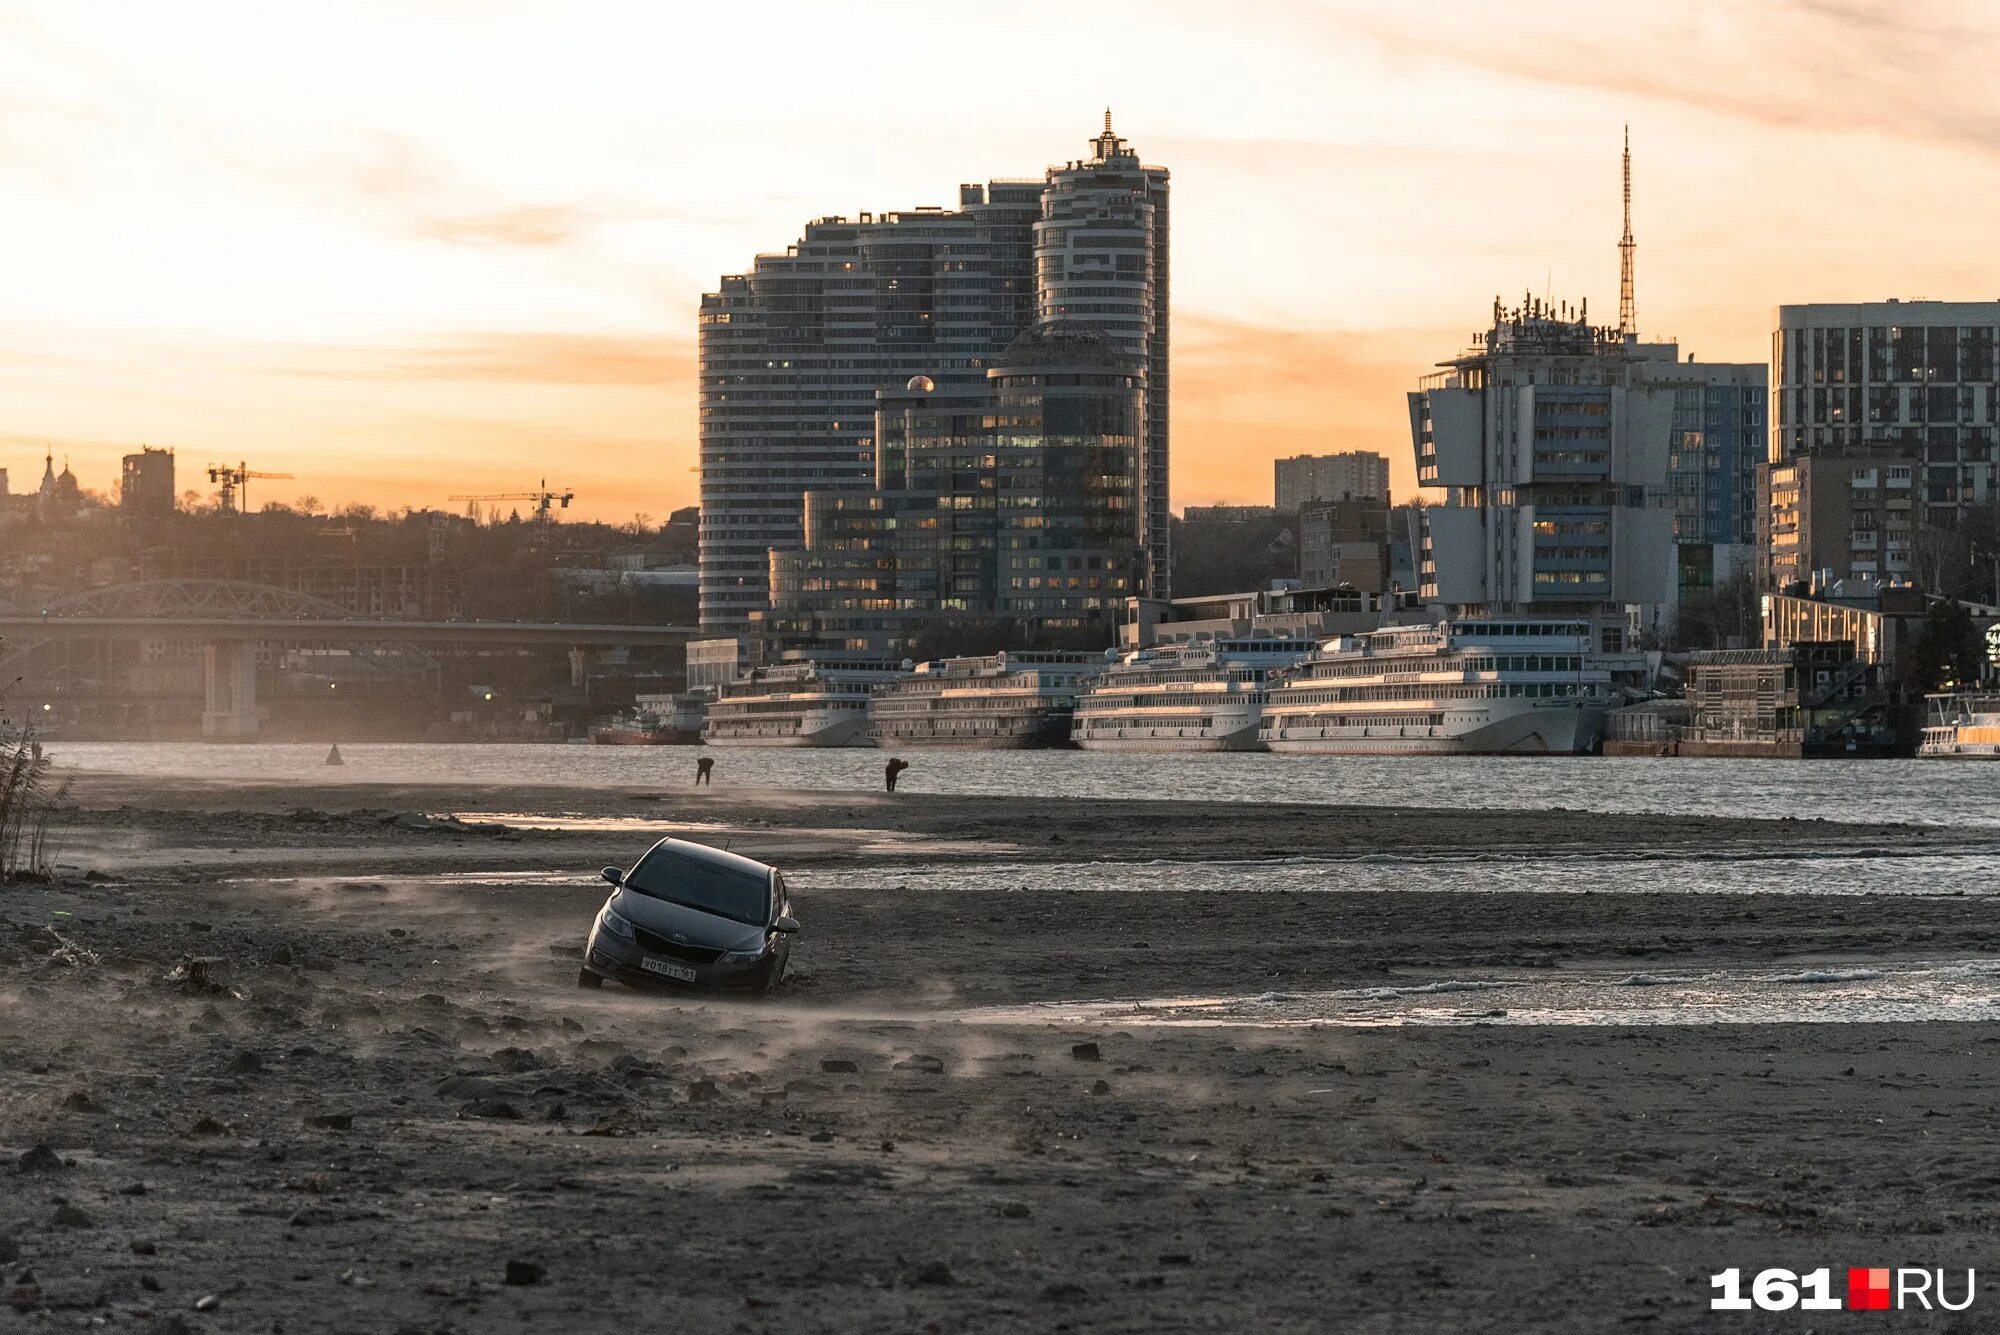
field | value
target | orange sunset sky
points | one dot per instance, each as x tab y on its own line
404	248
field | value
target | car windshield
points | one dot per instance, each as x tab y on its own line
744	896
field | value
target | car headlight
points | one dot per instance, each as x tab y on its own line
740	956
615	925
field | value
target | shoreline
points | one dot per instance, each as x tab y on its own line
386	1087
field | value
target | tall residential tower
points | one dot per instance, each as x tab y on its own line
1923	376
793	351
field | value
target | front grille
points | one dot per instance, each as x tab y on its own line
679	950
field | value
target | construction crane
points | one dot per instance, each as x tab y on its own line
232	485
542	500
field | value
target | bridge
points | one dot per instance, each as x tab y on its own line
231	618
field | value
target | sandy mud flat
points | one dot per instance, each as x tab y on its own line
300	1059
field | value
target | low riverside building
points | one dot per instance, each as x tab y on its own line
1875	619
1806	699
1300	613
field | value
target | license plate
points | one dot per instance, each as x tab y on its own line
684	972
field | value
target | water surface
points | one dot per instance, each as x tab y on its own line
1926	791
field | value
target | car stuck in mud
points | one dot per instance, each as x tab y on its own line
687	915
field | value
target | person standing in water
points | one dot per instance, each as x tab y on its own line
704	770
895	766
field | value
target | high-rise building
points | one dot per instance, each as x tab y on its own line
793	351
1843	512
1555	441
1101	261
1304	478
146	484
1714	452
1921	374
1016	506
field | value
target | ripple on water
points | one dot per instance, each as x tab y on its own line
1940	989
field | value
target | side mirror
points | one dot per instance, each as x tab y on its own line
786	923
613	875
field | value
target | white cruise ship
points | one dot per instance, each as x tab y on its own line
1012	700
821	700
1476	687
1198	695
1962	726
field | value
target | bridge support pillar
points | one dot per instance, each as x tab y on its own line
579	660
231	711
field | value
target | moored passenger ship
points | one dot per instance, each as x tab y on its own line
1475	687
817	700
656	720
1010	700
1198	695
1962	726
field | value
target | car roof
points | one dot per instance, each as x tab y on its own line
714	857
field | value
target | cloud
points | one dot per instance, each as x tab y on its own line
413	191
1912	71
537	357
527	225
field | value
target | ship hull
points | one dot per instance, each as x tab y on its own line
1143	737
645	737
1556	730
1040	733
794	731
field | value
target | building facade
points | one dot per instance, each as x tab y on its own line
1553	456
1924	375
1020	507
1848	512
1557	443
793	352
146	483
1345	543
1329	477
1715	450
1101	261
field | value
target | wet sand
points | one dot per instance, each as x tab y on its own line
387	1088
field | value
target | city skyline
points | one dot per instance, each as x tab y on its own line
477	266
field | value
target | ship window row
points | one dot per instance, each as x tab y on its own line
1205	700
1152	725
1284	721
728	708
1475	691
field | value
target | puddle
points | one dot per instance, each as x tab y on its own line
363	885
521	820
1945	989
1871	871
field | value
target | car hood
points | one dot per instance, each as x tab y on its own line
689	926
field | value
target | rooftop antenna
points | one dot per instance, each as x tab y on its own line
1628	316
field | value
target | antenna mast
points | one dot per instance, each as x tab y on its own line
1628	317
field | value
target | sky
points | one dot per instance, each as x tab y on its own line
406	249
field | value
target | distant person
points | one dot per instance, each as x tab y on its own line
895	767
704	771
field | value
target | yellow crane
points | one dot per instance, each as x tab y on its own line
543	500
233	492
